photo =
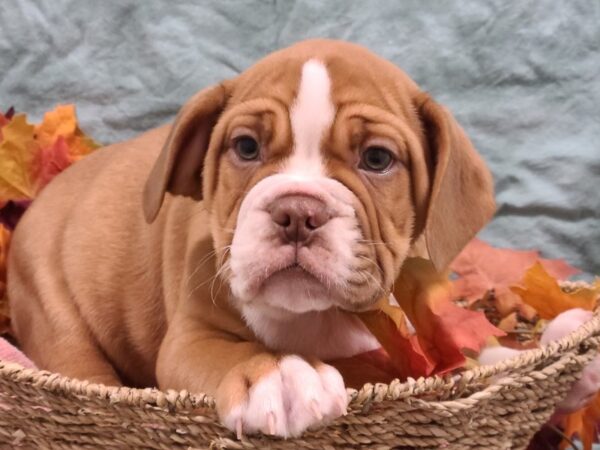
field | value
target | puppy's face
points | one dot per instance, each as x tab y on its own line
314	194
320	170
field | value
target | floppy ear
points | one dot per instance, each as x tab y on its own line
178	168
461	199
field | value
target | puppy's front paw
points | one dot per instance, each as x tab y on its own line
281	398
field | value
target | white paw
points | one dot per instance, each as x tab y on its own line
290	399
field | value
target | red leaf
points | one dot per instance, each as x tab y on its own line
50	161
443	329
482	267
404	350
369	367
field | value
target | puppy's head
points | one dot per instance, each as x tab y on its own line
321	166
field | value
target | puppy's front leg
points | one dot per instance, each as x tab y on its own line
255	390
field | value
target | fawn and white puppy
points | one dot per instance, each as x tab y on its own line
226	253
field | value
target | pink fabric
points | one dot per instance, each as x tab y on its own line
10	353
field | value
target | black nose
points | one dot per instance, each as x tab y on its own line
298	216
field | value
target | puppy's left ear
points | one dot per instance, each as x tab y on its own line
178	168
462	193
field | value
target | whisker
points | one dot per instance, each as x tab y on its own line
199	265
372	261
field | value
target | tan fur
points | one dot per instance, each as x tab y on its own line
116	273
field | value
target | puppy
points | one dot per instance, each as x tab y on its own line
227	252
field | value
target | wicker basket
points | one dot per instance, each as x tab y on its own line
490	407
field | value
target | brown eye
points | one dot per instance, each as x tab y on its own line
247	148
376	159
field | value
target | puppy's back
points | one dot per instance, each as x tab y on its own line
84	231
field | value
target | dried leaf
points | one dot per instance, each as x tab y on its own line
369	367
443	329
17	150
404	350
50	161
584	424
508	323
481	268
62	122
3	121
541	291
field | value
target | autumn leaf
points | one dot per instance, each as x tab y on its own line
542	292
442	328
584	424
374	366
3	121
17	151
50	161
403	349
482	268
62	122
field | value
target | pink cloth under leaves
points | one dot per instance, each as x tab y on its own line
10	353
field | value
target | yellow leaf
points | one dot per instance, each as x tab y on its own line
17	150
544	294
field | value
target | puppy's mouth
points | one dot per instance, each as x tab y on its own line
297	274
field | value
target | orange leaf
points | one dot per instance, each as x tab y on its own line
482	267
3	121
59	122
62	121
584	424
544	294
17	150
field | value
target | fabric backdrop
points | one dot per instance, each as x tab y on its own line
523	78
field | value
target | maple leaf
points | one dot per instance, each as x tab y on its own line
50	161
583	423
541	291
374	366
442	328
62	122
482	268
17	150
402	348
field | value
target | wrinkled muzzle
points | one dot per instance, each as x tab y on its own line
298	246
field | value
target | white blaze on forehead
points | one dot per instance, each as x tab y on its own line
311	116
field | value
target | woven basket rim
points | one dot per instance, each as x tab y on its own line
184	400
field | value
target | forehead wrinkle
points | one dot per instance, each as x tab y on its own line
311	116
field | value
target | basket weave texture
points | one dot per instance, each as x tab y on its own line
489	407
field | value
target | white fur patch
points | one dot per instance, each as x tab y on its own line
290	399
311	116
326	335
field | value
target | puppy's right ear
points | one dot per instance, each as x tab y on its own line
178	168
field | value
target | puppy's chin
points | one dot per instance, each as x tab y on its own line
294	290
